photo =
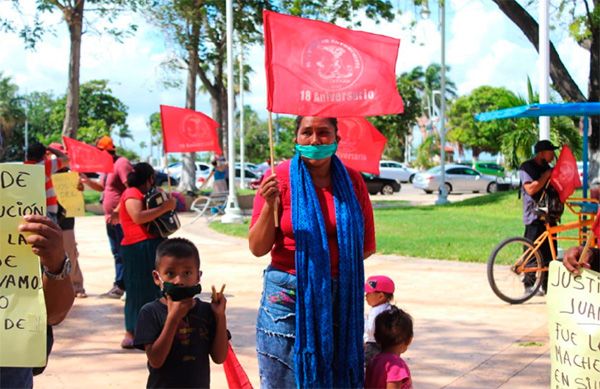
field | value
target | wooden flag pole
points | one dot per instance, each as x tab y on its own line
586	248
167	171
272	156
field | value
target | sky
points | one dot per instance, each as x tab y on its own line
483	47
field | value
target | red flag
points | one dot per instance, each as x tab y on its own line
361	145
319	69
565	176
185	130
86	158
596	228
234	372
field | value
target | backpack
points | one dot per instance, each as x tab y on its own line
549	208
165	224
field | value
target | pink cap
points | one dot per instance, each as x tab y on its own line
379	284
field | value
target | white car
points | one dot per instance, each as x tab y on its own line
202	170
396	171
459	178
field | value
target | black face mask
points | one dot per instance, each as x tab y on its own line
178	293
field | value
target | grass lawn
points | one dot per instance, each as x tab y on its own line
465	231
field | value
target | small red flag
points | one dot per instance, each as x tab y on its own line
319	69
361	145
565	176
86	158
234	372
185	130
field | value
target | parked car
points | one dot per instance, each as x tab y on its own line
378	184
489	168
249	176
202	170
161	179
396	171
458	179
249	165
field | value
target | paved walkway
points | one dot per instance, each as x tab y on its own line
465	337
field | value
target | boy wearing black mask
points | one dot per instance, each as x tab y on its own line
178	331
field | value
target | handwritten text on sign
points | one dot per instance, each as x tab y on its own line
22	307
65	185
574	328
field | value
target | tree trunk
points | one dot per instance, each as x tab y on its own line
74	18
188	172
594	95
562	80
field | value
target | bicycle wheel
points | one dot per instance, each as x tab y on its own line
505	271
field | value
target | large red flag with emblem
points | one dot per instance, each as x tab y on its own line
86	158
319	69
361	145
186	130
565	176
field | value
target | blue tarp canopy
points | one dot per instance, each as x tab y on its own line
537	110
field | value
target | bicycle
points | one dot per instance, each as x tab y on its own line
513	258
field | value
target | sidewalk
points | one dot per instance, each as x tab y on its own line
465	337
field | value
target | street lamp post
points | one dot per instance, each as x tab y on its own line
233	213
443	196
242	146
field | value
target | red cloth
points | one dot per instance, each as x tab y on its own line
132	232
565	176
283	251
387	368
361	145
114	185
186	130
234	372
596	228
319	69
86	158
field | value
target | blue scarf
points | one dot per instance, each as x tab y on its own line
317	344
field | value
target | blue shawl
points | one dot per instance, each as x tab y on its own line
324	357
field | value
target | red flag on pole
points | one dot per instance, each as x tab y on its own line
234	372
86	158
565	176
361	145
319	69
185	130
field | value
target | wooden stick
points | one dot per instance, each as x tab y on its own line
272	156
167	171
586	248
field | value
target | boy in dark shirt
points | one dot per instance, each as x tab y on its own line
178	331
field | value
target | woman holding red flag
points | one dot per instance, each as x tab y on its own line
310	320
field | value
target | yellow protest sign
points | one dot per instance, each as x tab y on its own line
65	185
22	307
574	328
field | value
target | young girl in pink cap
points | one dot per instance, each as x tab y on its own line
379	291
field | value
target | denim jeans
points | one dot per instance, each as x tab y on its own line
115	235
276	330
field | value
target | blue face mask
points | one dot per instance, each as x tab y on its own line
317	152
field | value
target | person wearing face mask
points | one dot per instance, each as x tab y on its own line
138	246
179	331
534	175
310	320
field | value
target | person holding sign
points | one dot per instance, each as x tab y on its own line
53	160
310	321
138	246
112	186
45	239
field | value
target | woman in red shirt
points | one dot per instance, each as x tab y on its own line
138	247
310	321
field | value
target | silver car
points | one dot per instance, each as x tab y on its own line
396	171
458	179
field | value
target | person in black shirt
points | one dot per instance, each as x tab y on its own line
534	174
177	332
